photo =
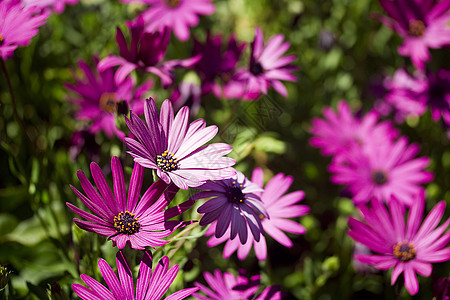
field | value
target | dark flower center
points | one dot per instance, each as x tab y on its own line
416	28
226	77
1	39
173	3
126	223
379	177
167	162
122	107
108	102
404	251
234	193
256	68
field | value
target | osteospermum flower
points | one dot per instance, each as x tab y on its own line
234	204
126	219
422	25
58	6
178	15
175	148
279	208
146	52
149	285
267	66
217	70
18	24
226	286
382	171
100	99
408	249
341	130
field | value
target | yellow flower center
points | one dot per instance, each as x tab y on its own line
126	223
404	251
167	162
173	3
108	102
416	28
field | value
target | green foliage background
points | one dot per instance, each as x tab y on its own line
43	248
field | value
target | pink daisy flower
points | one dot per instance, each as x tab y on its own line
126	219
267	66
146	52
422	25
235	205
228	286
18	24
174	148
149	285
279	208
382	171
178	15
341	130
407	248
100	99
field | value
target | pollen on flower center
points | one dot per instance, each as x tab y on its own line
404	251
379	177
416	28
108	102
1	39
167	162
256	68
234	193
126	223
173	3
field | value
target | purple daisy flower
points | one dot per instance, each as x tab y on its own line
437	95
18	24
146	52
100	99
148	285
235	204
408	249
279	208
126	219
58	6
267	67
228	286
215	66
382	171
175	148
341	130
178	15
422	25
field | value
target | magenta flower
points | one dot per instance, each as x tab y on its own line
422	25
100	100
148	285
175	148
126	219
234	204
228	286
58	6
437	95
178	15
217	71
341	130
146	52
267	67
279	208
382	171
18	24
408	249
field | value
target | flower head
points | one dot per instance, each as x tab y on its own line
100	99
267	67
226	286
234	205
215	67
149	285
341	130
178	15
126	219
279	208
18	24
146	52
407	248
422	25
382	171
175	148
